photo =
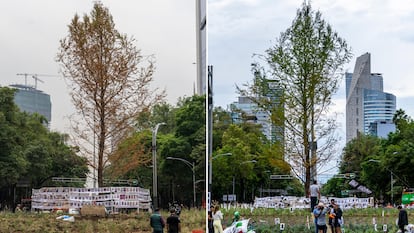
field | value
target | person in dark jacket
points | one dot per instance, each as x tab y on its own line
173	222
210	220
157	222
402	219
337	221
331	215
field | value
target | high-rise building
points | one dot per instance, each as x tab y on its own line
201	36
245	109
32	100
366	101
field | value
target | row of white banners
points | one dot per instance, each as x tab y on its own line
303	202
110	197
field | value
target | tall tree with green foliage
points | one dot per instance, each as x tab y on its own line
110	83
188	143
305	63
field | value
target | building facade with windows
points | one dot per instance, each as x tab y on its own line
32	100
246	109
366	101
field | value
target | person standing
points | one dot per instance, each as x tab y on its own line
173	222
337	221
210	220
402	218
331	217
217	217
157	222
315	194
320	217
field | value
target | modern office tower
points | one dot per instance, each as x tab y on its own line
366	101
201	37
31	100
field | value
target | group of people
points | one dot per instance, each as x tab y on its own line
214	219
334	214
158	223
215	216
320	211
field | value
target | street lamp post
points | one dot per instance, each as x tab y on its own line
154	165
234	183
210	171
225	154
192	167
392	179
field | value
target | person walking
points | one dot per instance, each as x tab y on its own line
157	222
217	217
173	222
320	217
402	218
315	194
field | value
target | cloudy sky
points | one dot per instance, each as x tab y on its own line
31	30
385	28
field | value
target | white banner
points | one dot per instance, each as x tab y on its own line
52	198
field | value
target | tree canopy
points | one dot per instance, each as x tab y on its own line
373	159
29	151
182	137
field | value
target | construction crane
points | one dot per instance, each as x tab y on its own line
35	77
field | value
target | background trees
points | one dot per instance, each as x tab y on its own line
30	153
373	159
109	83
305	63
182	137
244	159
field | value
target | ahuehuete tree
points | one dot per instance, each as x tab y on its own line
109	80
305	65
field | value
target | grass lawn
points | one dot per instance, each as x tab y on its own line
125	223
356	220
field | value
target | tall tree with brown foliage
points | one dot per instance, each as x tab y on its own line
109	81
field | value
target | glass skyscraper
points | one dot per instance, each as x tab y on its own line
366	102
245	109
32	100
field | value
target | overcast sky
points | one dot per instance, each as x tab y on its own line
385	28
31	30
